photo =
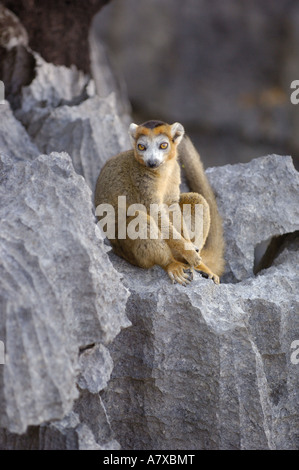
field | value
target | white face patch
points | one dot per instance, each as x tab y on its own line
153	150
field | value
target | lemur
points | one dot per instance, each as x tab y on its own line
149	174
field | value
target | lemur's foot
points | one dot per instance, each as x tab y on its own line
212	276
206	272
179	272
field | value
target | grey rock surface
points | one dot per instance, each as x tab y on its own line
210	367
14	140
90	132
105	79
258	201
84	428
96	367
207	367
62	301
61	112
57	290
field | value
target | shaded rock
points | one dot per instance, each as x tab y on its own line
17	69
55	284
57	288
51	86
12	32
86	429
16	60
54	86
58	31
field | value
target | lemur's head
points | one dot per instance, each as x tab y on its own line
155	142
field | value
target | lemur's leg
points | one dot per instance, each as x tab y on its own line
198	227
148	251
196	219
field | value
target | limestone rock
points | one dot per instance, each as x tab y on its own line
207	366
61	301
258	201
58	289
50	87
96	367
91	133
14	140
61	112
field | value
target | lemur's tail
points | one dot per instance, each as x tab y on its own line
213	251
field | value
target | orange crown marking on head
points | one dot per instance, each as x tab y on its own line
160	129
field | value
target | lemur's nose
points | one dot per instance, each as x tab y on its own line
152	163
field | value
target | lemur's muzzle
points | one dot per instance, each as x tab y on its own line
153	163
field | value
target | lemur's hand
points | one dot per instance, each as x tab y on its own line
191	254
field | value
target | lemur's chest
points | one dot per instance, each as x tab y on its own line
170	190
160	187
168	185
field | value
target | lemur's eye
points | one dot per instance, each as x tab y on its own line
164	145
141	147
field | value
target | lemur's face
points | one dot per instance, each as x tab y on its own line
155	142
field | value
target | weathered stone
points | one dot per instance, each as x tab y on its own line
209	367
16	60
83	429
96	367
62	113
58	288
258	201
106	81
14	140
91	133
51	86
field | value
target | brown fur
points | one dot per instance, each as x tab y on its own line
213	250
126	175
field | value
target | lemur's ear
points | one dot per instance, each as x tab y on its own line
132	132
177	132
